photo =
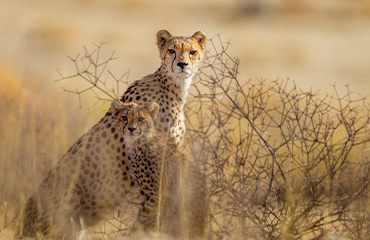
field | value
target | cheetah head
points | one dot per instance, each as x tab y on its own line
135	120
180	55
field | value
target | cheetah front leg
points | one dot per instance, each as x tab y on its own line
68	217
147	219
30	217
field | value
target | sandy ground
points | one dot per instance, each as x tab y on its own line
314	43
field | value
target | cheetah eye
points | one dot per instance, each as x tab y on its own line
141	119
124	118
171	51
193	52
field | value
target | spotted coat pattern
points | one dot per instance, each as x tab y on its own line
91	179
173	189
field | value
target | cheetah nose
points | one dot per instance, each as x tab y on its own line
131	129
182	64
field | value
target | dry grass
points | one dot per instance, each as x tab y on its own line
281	163
37	127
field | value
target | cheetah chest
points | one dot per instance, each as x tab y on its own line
158	89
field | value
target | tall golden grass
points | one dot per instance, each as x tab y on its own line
37	127
282	163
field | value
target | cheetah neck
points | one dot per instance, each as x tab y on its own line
138	145
147	144
181	82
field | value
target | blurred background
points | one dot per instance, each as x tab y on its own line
315	43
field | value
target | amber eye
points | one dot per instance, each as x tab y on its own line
141	119
171	51
193	52
124	118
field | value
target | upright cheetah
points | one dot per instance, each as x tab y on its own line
173	189
91	179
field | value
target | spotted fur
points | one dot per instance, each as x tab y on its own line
173	189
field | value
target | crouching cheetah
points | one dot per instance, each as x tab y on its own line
91	179
173	189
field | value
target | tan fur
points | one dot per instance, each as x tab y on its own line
91	179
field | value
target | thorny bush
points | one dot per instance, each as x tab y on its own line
282	163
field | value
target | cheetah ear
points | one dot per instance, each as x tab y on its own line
153	109
162	37
201	38
116	105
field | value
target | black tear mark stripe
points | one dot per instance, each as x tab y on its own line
123	129
172	63
140	130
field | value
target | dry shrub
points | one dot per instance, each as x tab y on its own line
92	70
282	163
